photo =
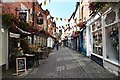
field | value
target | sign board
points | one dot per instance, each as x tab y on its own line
23	16
20	65
14	35
40	19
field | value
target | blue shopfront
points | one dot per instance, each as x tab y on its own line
83	41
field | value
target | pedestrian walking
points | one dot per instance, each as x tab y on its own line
57	45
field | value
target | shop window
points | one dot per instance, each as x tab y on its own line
110	18
97	38
112	42
93	27
97	42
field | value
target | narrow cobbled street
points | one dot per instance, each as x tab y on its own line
67	63
59	39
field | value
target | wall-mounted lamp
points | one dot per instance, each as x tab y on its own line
2	30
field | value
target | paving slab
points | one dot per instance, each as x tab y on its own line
68	63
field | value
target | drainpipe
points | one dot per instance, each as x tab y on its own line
82	13
33	21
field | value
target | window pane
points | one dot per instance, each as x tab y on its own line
112	37
110	18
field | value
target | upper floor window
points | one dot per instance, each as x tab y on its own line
110	17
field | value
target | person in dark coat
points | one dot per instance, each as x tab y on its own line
57	46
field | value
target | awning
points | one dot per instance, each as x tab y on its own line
16	30
14	35
45	34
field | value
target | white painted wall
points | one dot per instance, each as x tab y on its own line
49	42
4	48
0	47
88	42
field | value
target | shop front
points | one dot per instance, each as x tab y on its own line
83	42
78	45
65	41
111	20
78	40
97	54
103	38
75	42
72	42
95	39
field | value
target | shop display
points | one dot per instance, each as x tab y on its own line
114	37
97	38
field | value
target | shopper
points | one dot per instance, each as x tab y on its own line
57	46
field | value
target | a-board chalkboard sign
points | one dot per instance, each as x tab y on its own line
20	65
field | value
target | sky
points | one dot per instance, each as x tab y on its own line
61	9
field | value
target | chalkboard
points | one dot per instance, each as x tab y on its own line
20	65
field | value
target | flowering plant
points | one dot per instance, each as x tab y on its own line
20	49
33	47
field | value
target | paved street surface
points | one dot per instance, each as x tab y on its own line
67	63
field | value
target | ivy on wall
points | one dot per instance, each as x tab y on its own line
7	19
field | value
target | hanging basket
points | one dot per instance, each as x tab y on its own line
80	24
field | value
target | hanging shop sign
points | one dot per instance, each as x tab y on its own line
110	18
40	19
23	16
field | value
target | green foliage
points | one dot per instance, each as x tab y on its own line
7	19
24	25
25	46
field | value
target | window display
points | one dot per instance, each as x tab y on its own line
97	38
112	37
113	41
